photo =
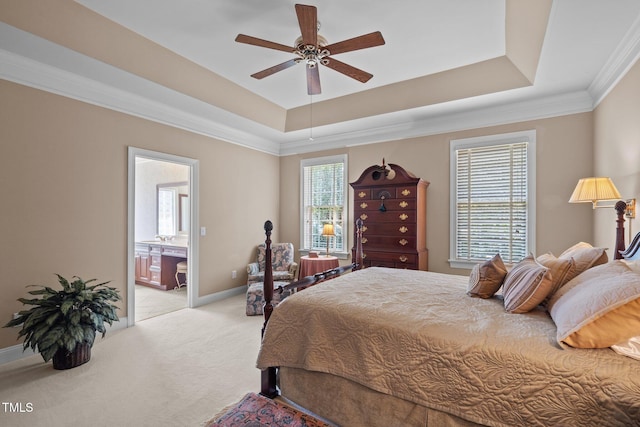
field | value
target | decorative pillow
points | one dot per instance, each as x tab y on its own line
526	286
585	257
599	308
629	348
561	271
486	278
633	265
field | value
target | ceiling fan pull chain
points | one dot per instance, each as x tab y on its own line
310	117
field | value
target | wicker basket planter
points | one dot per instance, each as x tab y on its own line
62	324
64	359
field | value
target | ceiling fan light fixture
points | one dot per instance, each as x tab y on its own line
313	49
322	42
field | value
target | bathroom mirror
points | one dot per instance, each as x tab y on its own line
172	203
183	213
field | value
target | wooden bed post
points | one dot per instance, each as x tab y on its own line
267	287
268	387
620	208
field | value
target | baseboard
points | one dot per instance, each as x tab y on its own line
9	354
208	299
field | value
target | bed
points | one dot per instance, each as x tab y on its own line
389	347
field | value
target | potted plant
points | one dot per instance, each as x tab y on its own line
62	324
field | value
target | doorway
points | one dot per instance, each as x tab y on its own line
161	235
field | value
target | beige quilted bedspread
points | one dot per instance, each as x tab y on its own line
418	336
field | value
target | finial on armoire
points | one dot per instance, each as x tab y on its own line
385	169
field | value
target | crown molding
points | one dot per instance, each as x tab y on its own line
28	72
479	115
621	60
38	63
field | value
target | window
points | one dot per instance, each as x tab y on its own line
173	208
166	211
492	198
324	201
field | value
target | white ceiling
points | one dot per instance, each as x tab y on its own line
422	37
588	44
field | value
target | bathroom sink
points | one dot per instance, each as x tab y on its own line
180	243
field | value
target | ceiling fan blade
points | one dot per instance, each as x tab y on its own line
308	20
356	43
272	70
313	80
263	43
347	70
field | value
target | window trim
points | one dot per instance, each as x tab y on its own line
528	136
339	158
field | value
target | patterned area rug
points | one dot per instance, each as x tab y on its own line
256	411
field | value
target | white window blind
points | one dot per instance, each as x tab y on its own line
492	207
323	202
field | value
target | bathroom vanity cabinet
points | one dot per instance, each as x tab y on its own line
155	263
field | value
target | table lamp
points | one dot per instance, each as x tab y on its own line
327	231
597	189
594	190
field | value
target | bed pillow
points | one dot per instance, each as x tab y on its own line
486	278
633	265
629	348
599	308
585	257
526	285
561	271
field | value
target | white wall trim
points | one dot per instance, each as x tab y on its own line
217	296
35	62
9	354
434	124
32	61
346	226
194	222
485	140
621	60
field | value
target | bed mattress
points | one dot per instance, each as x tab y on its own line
418	337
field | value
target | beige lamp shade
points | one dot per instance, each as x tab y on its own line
593	190
327	230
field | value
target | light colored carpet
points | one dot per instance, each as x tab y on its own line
154	302
179	369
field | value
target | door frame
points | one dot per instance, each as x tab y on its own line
193	250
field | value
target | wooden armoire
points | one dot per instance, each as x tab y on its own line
393	205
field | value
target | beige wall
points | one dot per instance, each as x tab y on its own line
64	187
67	23
63	174
617	151
564	154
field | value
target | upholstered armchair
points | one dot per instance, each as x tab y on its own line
284	267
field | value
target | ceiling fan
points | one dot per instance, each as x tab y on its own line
312	49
